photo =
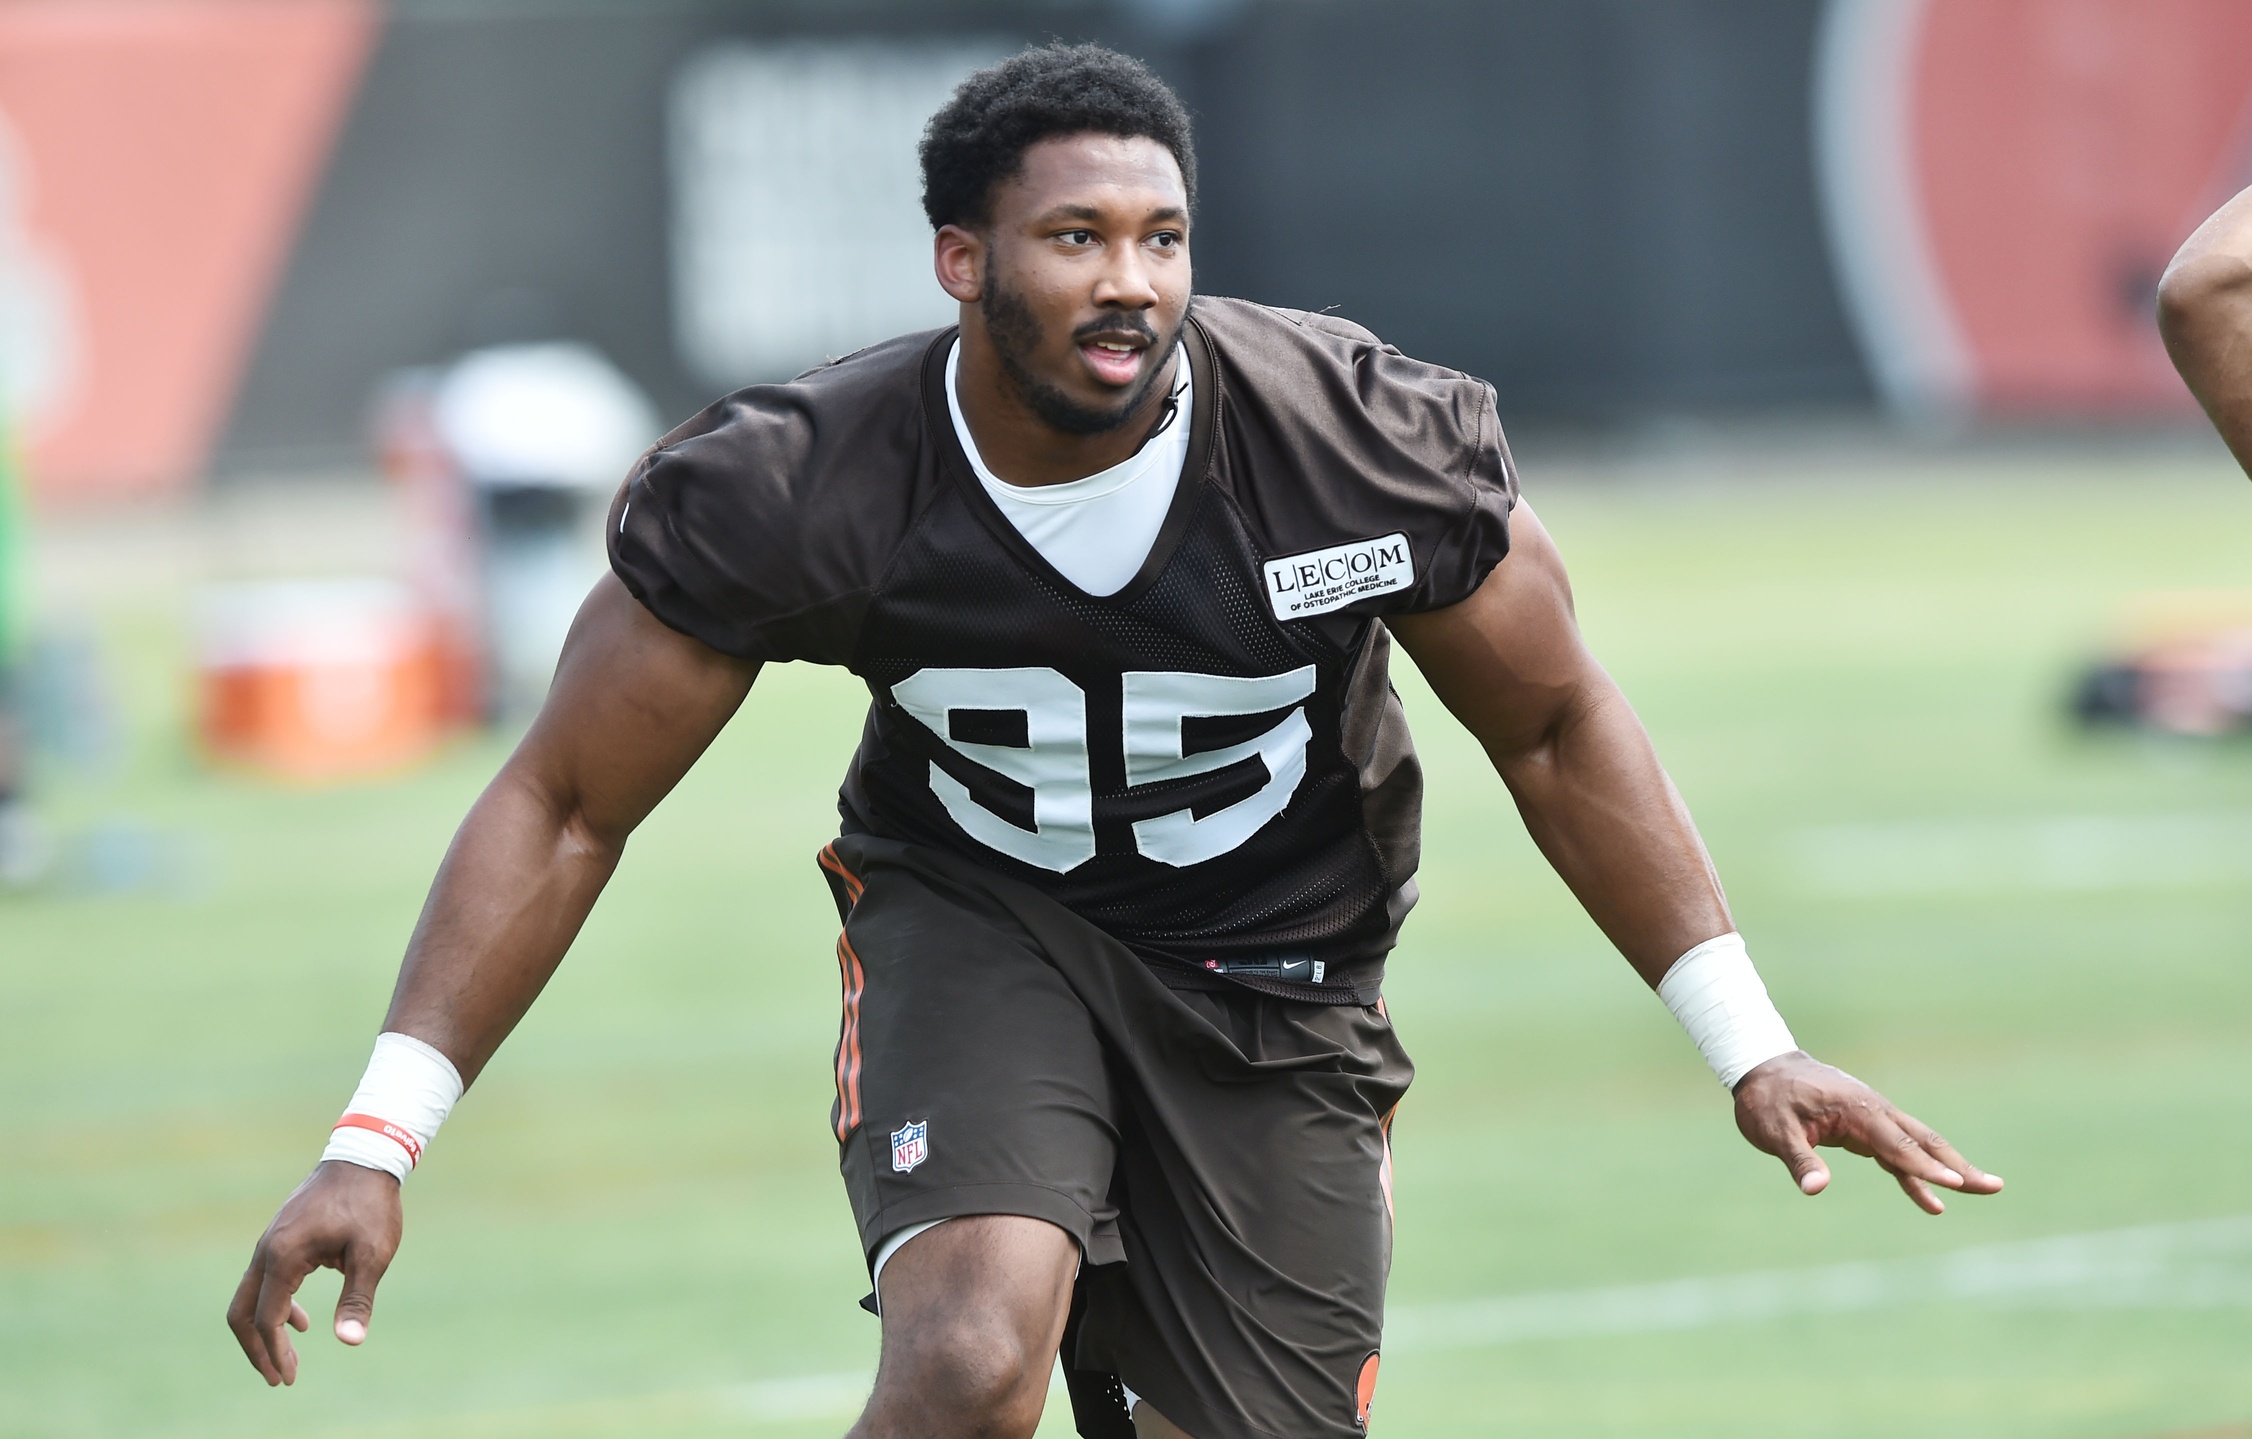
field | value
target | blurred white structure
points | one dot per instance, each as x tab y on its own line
1873	211
798	230
543	416
541	435
39	313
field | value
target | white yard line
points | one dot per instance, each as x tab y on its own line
2206	1264
2062	853
2203	1264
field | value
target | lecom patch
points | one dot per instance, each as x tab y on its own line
1318	581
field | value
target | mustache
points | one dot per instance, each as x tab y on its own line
1116	327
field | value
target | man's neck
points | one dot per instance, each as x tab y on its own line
1018	446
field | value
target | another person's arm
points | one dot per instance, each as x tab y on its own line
632	707
1510	664
2205	315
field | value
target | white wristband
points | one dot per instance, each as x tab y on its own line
408	1090
1717	995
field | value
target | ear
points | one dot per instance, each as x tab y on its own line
958	256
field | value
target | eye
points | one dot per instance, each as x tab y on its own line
1077	237
1166	239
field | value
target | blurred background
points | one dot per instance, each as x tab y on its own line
1823	332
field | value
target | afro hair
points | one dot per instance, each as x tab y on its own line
978	139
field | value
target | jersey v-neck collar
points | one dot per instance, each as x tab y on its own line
938	424
1144	464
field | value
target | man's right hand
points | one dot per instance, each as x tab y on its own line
344	1217
633	705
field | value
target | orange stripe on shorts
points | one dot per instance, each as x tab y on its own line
835	866
855	980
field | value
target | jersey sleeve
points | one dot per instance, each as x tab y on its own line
1473	499
706	533
1431	464
1372	447
727	532
762	527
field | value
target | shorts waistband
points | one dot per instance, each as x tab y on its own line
1284	975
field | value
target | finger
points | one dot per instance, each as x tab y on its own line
1807	1169
299	1320
1897	1150
275	1295
241	1314
1975	1179
363	1270
1920	1192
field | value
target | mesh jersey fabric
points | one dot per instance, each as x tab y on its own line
835	519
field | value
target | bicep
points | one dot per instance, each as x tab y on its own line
633	704
1508	661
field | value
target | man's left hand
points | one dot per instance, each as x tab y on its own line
1794	1102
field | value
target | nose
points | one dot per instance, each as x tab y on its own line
1125	282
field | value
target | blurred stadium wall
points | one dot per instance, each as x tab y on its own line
222	222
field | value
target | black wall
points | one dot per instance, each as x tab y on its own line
1606	207
1601	207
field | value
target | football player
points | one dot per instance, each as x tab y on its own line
1133	822
2205	314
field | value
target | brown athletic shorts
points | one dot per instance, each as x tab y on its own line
1221	1157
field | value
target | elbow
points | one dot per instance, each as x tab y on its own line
1535	746
2199	289
572	831
586	842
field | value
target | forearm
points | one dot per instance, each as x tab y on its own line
518	881
1509	663
2205	316
1603	812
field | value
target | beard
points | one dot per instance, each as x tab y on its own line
1015	332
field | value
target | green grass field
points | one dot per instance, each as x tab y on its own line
2038	940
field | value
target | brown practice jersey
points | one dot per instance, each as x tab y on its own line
1210	764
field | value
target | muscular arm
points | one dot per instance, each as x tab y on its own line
2205	315
632	706
1510	664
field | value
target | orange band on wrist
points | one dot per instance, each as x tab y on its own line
388	1130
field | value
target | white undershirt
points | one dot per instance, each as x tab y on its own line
1096	531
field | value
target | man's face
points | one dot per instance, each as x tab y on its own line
1087	277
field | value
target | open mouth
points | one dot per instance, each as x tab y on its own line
1115	359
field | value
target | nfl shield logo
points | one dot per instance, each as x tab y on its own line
910	1146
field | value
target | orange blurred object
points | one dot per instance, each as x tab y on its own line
320	679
